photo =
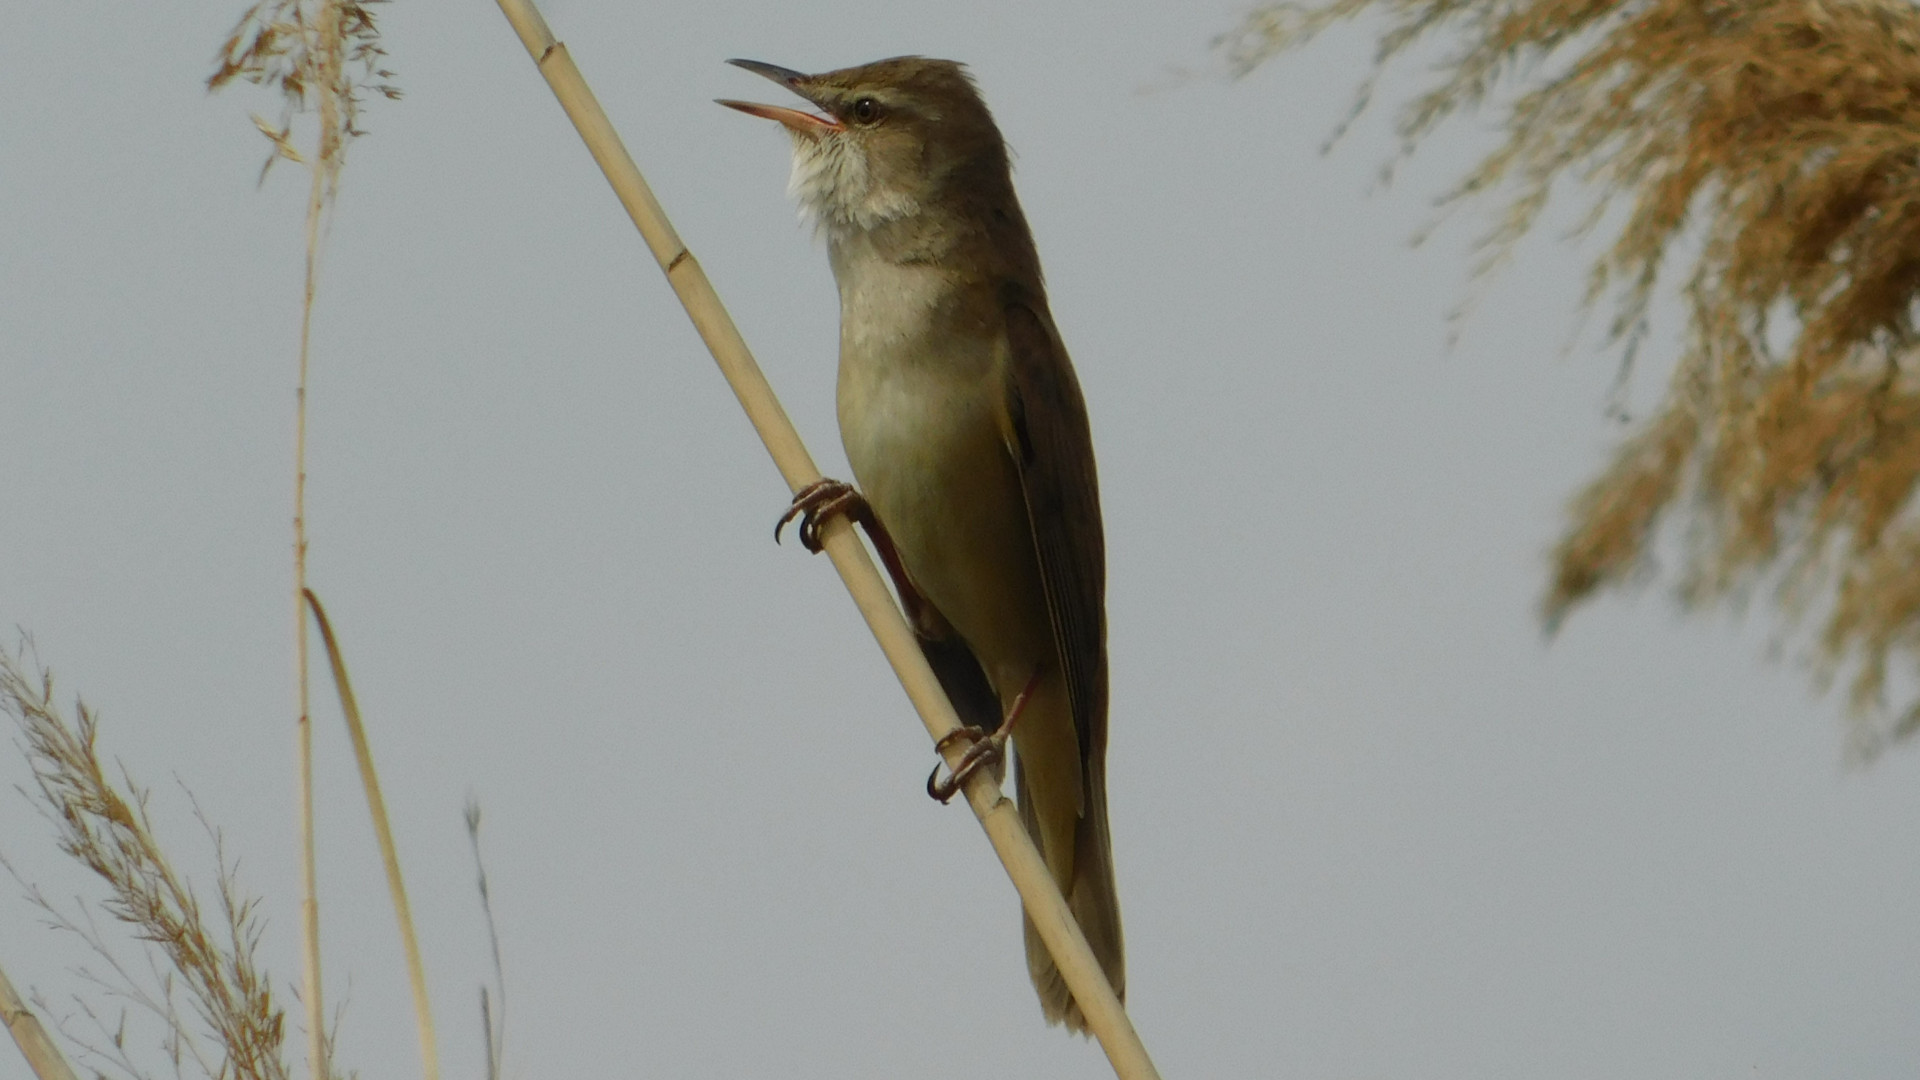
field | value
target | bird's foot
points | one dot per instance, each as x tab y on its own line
982	750
817	502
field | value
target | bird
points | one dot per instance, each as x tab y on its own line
970	445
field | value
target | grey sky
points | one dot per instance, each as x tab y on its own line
1367	822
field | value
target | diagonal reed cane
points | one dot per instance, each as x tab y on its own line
43	1057
1105	1016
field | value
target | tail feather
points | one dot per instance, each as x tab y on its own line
1090	896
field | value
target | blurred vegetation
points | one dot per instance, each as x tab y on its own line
323	56
196	976
1762	158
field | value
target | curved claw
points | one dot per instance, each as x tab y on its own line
940	791
815	503
792	512
985	750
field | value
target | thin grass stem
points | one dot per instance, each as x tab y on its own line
493	1019
310	992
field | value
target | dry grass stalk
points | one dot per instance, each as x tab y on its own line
43	1057
236	1031
493	1017
383	833
1783	136
322	55
1105	1017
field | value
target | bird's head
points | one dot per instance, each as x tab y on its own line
892	139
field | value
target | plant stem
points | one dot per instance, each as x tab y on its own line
43	1057
383	832
310	995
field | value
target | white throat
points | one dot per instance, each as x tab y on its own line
836	191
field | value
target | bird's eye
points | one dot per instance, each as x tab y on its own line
866	111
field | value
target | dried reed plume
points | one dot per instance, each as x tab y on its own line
236	1030
321	55
1783	136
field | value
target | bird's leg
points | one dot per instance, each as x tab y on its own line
823	498
812	505
982	749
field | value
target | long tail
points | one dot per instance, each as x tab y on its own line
1090	896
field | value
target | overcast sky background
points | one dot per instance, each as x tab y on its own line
1368	821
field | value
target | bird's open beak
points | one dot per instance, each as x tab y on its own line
803	123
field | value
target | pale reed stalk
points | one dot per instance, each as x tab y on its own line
317	1064
36	1046
1106	1018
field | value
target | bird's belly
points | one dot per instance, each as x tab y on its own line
926	449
